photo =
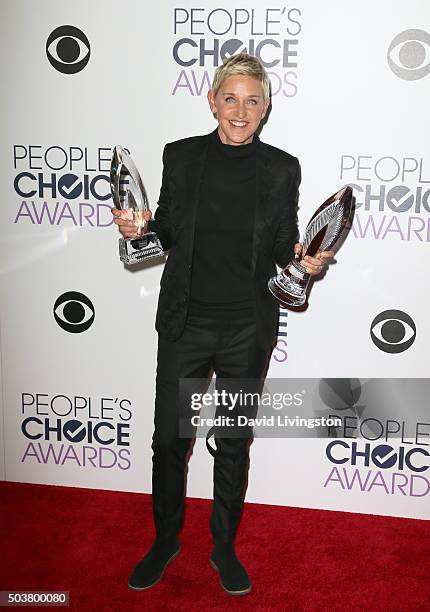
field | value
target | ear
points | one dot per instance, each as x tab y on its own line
211	100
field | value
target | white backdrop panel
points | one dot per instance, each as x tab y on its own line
340	101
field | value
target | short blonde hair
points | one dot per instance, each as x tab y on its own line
245	64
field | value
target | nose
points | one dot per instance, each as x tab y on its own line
241	110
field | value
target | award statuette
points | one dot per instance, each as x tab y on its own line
321	234
129	196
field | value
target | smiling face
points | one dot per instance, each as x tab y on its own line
239	105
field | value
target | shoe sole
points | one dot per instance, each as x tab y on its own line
243	592
130	586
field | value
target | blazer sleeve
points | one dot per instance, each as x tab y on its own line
288	232
161	223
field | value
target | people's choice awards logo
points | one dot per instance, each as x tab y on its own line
74	312
392	195
76	430
393	331
204	37
408	55
60	185
68	49
381	444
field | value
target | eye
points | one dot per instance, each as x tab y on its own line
229	99
409	55
74	312
68	49
393	331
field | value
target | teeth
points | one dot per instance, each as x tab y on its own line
238	123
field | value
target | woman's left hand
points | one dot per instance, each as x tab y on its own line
314	265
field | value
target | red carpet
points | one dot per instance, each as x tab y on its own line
87	542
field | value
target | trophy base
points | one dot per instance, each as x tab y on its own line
140	249
289	287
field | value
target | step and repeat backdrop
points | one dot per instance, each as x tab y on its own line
350	90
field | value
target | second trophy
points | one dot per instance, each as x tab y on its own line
321	234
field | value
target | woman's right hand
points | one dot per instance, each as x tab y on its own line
127	226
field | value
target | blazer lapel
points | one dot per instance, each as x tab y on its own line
194	177
262	202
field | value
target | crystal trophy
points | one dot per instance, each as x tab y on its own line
129	196
321	234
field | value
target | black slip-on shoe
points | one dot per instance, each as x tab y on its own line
233	576
151	568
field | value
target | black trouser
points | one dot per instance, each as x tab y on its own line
223	342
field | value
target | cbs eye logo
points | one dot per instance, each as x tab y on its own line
408	55
68	49
393	331
74	312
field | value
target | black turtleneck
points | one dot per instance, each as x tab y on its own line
221	273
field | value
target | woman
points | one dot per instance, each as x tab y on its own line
227	213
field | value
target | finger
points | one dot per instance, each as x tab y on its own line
327	255
115	212
124	223
128	231
313	261
313	265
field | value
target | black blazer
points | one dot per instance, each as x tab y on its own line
275	229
